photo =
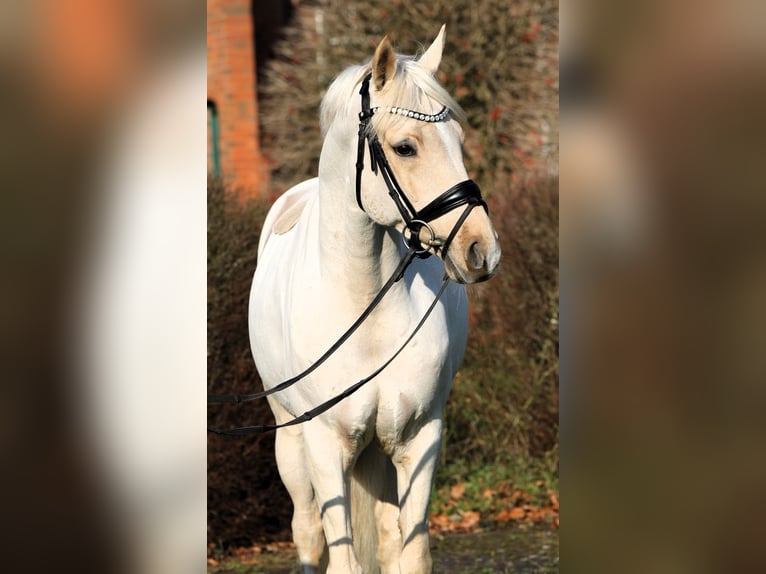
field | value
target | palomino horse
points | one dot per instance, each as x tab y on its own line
360	473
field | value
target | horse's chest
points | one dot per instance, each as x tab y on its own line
409	386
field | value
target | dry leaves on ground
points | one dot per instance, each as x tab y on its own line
504	505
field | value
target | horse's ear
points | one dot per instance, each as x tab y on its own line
383	63
433	56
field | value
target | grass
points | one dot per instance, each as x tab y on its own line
486	487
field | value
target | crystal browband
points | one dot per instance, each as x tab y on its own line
441	116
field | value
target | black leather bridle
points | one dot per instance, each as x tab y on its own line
466	193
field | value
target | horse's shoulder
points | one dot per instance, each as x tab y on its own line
287	210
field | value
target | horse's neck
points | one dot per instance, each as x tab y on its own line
355	251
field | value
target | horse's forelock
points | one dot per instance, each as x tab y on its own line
410	88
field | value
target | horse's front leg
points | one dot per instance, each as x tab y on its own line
292	464
330	459
415	463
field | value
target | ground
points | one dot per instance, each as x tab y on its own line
521	549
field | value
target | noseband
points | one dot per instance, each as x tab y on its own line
466	192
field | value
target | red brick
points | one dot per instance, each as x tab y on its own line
232	88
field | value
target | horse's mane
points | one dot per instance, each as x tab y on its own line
412	87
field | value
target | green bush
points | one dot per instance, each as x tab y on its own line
246	500
503	409
500	63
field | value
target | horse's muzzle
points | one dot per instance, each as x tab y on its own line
480	260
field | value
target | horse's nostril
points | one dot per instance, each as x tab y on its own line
475	257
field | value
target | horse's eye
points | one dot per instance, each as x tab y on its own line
405	150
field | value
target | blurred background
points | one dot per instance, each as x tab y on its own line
102	432
663	268
501	63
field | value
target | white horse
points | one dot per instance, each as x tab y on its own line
360	474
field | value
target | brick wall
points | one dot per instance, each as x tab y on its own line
231	86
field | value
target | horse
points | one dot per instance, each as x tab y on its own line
360	473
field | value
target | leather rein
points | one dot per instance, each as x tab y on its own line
466	193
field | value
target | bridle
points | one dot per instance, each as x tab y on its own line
466	193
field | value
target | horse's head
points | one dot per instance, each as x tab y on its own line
424	152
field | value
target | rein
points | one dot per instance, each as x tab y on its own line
466	193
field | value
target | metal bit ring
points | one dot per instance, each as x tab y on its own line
433	241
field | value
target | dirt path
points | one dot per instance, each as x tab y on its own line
519	550
513	550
